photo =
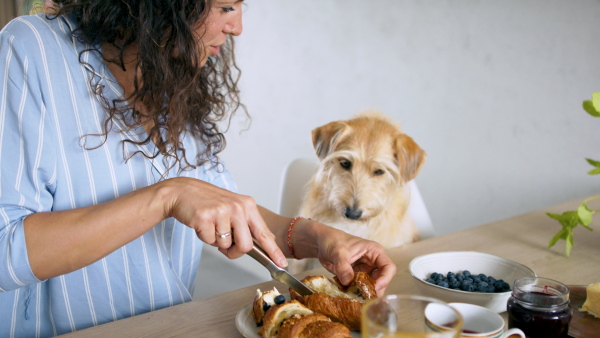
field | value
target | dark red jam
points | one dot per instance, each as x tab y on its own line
540	307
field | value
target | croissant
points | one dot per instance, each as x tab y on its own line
341	304
325	329
293	326
277	314
262	302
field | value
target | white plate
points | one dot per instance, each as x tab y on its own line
247	326
245	323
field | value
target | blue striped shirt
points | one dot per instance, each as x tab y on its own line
50	159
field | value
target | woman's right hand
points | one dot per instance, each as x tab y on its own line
211	211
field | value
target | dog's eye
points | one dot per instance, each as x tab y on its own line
379	172
346	164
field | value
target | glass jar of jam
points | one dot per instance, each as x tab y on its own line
540	307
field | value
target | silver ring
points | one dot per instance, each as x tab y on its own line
225	235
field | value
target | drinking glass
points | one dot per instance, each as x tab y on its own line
410	316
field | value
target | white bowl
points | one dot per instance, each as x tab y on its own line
476	262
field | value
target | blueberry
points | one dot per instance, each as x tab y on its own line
481	288
467	273
279	299
451	274
433	275
482	276
484	284
466	286
266	307
490	288
443	284
460	276
429	280
439	277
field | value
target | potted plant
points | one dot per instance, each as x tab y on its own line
583	215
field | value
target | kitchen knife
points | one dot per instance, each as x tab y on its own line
278	273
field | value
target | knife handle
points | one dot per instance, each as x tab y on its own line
261	256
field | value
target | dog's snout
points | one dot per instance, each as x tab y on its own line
352	213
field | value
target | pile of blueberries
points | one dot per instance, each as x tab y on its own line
466	281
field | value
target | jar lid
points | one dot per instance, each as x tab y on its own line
540	292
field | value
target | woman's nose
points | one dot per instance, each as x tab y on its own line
234	26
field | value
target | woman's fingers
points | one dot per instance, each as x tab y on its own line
221	218
263	235
241	239
266	239
345	255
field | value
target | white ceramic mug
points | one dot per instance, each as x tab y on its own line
478	322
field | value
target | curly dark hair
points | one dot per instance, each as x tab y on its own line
179	96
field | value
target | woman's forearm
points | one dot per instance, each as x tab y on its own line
60	242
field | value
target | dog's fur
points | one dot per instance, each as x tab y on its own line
360	185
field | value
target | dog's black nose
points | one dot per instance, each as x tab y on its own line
352	213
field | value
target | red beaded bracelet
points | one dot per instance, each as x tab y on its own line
289	236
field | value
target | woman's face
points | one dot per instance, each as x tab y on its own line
225	18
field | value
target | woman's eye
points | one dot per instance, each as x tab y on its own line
346	164
379	172
228	9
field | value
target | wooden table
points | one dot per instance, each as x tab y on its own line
523	239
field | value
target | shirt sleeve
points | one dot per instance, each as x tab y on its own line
26	155
222	178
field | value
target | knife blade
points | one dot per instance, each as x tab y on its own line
278	273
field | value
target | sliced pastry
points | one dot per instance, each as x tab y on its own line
278	313
340	303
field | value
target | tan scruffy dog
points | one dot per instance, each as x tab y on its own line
360	185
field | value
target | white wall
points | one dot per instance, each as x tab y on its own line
492	90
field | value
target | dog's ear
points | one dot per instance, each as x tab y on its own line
410	157
324	138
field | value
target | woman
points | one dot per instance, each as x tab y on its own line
109	143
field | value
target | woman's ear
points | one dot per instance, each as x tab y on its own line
325	138
410	157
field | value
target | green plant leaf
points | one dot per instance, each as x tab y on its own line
594	171
569	244
567	219
593	106
593	162
596	101
585	214
588	106
562	234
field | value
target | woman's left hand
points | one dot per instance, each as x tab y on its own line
343	254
